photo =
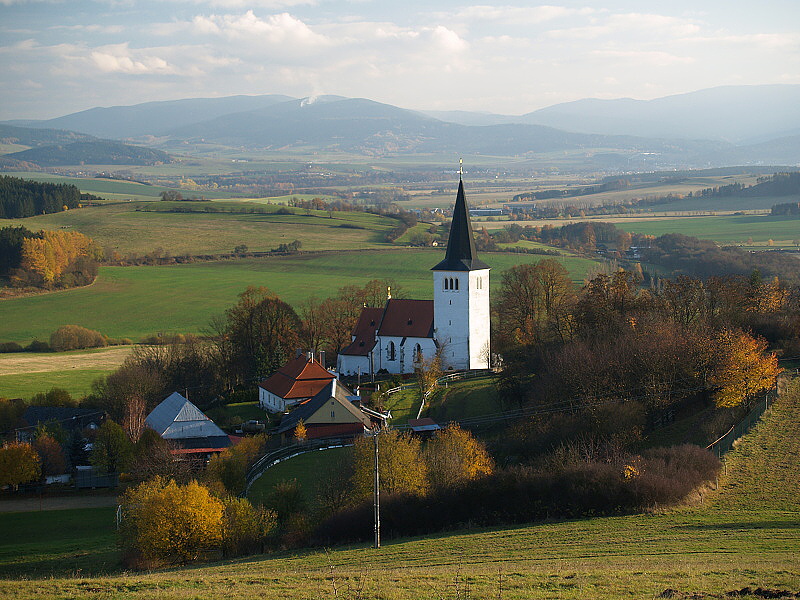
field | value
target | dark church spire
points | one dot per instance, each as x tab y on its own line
461	254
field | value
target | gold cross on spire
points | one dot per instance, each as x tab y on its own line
460	167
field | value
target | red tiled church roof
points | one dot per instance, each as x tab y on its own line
302	377
407	318
364	332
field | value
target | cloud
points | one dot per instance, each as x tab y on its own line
630	26
282	28
119	58
514	15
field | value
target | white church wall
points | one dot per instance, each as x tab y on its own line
479	319
350	365
451	309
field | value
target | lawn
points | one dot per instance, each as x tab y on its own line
403	405
137	301
744	534
463	400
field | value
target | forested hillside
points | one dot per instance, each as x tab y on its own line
91	152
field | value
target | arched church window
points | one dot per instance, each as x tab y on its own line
391	351
456	283
417	353
446	284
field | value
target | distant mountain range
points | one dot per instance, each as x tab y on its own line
745	114
714	127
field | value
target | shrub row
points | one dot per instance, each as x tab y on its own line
521	494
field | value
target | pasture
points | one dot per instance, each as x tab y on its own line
729	229
744	534
141	228
134	302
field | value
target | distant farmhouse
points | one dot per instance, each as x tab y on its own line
455	322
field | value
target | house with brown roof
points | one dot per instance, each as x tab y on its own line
294	383
455	323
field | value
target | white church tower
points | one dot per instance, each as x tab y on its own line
461	296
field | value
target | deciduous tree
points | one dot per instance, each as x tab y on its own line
454	456
742	368
19	464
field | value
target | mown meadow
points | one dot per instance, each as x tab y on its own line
743	535
135	302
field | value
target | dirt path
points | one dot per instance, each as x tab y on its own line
23	362
56	503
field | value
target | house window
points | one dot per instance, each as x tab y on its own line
390	351
333	414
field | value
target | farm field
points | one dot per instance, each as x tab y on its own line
724	229
745	534
141	228
24	374
138	301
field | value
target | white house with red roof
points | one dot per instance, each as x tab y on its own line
294	383
455	323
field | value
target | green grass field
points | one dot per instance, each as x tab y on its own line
308	469
464	399
744	534
403	405
137	301
726	229
78	382
141	228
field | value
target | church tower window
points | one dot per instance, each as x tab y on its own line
391	352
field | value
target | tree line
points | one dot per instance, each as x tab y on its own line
20	198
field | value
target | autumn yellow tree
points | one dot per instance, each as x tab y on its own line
741	367
454	456
168	522
400	463
19	463
49	256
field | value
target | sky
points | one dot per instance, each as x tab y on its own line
62	56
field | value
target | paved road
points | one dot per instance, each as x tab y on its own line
56	503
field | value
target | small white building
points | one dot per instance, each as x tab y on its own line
456	322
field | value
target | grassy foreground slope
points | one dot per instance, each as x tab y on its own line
741	537
138	301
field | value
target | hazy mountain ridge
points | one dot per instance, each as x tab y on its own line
613	133
95	152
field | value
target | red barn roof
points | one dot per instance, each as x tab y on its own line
302	377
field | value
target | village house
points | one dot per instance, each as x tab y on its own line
334	411
295	382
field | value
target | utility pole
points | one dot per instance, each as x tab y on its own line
377	493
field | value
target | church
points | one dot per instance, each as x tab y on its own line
455	323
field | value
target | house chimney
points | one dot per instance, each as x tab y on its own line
310	355
322	358
333	387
